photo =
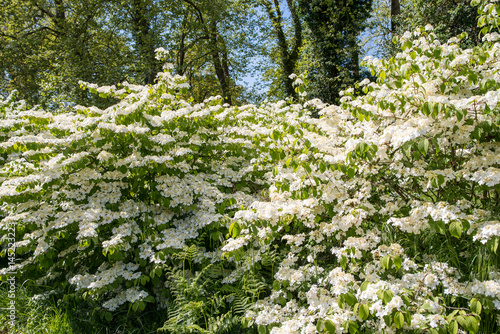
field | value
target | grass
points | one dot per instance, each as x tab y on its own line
55	316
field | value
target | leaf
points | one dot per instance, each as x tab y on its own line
341	301
320	326
406	148
423	146
493	244
386	262
364	312
397	262
426	307
330	327
353	327
399	320
307	167
350	299
388	296
453	327
456	229
473	325
343	262
261	329
322	167
235	229
350	173
276	286
382	75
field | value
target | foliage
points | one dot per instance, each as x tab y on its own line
47	46
381	216
288	49
117	191
449	18
334	28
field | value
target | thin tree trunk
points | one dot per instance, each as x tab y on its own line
220	65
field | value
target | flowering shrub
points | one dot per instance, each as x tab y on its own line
385	210
104	200
381	216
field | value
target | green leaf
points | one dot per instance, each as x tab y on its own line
399	320
388	296
352	327
261	329
235	229
364	312
472	78
330	327
307	167
453	327
426	108
473	325
493	244
456	228
386	262
350	299
341	301
322	167
426	307
320	326
350	173
382	75
423	146
397	262
343	262
276	286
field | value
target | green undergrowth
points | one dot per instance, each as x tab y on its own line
52	315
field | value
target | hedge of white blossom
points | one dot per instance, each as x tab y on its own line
380	216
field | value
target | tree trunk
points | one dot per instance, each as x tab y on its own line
144	40
289	56
220	64
395	10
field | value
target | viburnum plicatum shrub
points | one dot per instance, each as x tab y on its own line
384	213
110	201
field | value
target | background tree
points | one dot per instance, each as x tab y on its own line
382	25
449	18
334	29
46	47
288	49
213	40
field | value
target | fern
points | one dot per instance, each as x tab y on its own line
199	304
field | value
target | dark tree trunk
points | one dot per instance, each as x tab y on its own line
289	56
143	39
220	62
395	10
